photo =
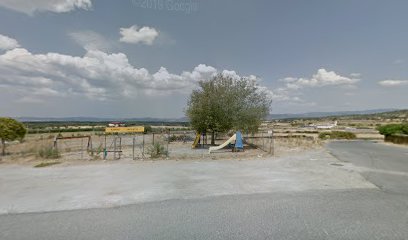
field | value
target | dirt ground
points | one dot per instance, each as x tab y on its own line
116	183
76	151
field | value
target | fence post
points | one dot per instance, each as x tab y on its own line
120	147
114	148
105	153
82	146
273	145
143	145
153	138
133	148
168	140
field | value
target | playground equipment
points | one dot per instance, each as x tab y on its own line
200	138
196	140
61	139
237	137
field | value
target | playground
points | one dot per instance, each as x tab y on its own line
87	147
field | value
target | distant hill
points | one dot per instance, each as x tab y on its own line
328	114
397	114
95	119
366	114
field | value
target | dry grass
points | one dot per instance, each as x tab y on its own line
46	164
71	151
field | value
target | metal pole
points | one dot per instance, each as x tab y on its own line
153	138
143	145
120	147
168	140
114	148
133	148
104	150
273	145
82	145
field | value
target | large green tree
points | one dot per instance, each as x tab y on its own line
224	103
10	130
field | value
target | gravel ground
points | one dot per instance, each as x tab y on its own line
61	187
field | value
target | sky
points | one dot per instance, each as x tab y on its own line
142	58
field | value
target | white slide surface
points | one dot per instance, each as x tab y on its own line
233	138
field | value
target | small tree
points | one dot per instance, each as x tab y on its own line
224	103
10	130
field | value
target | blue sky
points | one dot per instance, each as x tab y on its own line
137	58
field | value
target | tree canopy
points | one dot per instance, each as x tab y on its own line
224	103
10	130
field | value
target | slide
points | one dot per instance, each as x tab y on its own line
196	140
233	138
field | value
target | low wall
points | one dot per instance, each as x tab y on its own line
398	139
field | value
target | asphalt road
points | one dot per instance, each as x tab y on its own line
383	165
356	214
314	214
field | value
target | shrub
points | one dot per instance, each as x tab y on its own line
391	129
180	138
48	153
337	135
157	150
148	129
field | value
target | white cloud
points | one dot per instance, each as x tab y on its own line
58	6
96	75
231	74
355	75
393	83
91	40
135	35
320	79
293	86
7	43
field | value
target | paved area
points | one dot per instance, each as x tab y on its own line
384	165
318	214
318	195
27	189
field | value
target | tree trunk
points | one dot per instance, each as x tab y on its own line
3	147
213	138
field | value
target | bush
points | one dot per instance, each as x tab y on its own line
337	135
180	138
48	153
148	129
157	150
392	129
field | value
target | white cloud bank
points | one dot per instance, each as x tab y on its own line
58	6
292	86
393	83
7	43
320	79
96	75
136	35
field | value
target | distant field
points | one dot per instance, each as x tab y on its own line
61	127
